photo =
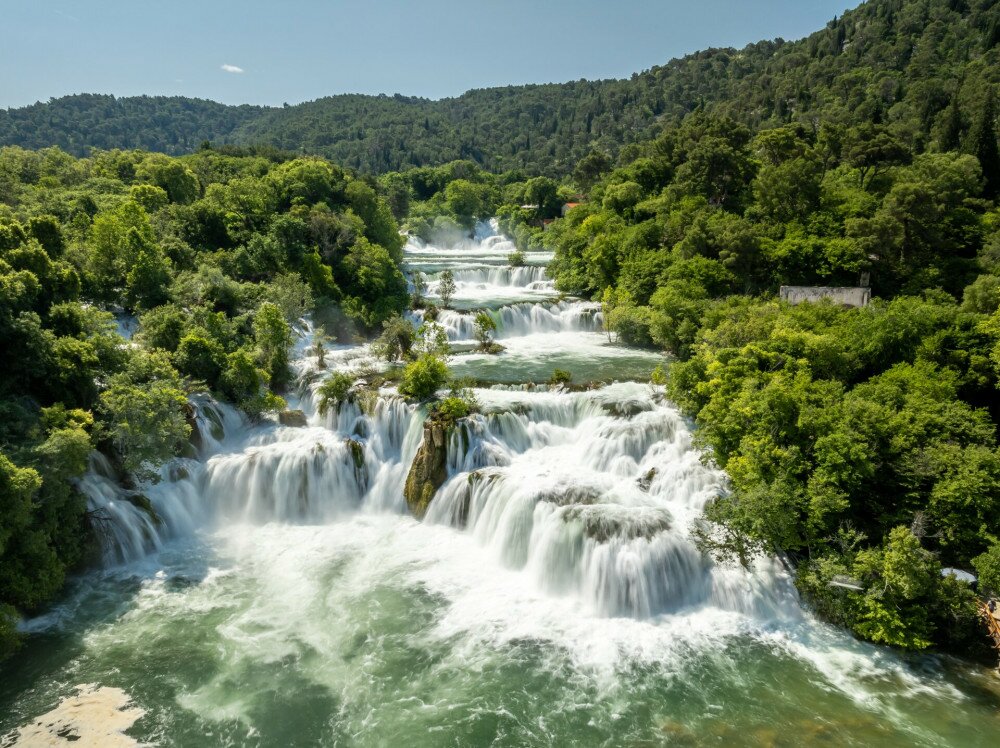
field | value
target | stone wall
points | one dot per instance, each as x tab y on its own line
849	296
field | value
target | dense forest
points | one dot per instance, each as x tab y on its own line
898	61
216	257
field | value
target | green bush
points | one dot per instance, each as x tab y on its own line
452	408
424	377
561	376
334	390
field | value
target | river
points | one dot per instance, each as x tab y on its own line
279	593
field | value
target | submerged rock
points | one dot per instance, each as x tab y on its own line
357	452
604	522
292	418
571	495
429	469
142	502
626	409
95	716
646	480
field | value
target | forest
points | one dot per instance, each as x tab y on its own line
900	61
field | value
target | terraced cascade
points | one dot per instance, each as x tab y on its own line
273	588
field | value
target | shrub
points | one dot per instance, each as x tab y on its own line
452	408
485	327
396	340
516	259
561	376
424	377
334	391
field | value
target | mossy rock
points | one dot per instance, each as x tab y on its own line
627	408
646	480
571	496
602	523
141	501
292	418
357	450
429	469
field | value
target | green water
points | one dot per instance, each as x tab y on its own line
357	634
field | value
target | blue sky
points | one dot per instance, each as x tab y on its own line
295	50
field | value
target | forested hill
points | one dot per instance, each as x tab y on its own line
168	124
893	61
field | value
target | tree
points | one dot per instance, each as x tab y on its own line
179	182
485	327
273	337
148	278
446	288
873	148
591	168
200	357
432	338
988	568
419	289
983	145
396	340
243	382
951	129
146	423
466	201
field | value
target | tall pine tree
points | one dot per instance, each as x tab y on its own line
951	131
983	145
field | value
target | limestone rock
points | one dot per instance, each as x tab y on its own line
292	418
429	469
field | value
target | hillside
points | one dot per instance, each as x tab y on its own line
888	60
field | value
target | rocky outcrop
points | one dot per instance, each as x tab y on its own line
429	469
292	418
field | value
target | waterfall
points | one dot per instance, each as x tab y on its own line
592	494
519	320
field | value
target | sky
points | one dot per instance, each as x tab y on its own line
288	51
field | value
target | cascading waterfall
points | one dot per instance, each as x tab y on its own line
552	594
520	320
592	494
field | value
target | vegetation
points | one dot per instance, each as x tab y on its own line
860	443
899	61
561	377
217	255
485	327
424	377
334	390
446	288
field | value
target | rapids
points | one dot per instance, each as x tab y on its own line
271	589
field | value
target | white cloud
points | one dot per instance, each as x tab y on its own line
232	68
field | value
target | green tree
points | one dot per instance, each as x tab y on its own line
446	288
146	423
983	144
273	337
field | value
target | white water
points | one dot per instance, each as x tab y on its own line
564	524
